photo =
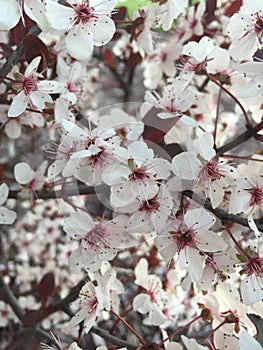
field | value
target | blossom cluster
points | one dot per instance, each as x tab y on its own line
136	213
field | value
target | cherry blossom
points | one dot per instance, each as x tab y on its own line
175	100
6	216
138	178
30	179
153	301
99	240
190	237
31	92
213	175
87	24
245	30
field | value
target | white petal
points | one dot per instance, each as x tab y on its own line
205	145
38	99
7	217
23	173
61	17
9	14
4	190
186	165
50	87
247	342
32	67
79	42
18	105
103	30
35	9
13	129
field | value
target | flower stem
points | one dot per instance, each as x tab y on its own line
128	326
232	96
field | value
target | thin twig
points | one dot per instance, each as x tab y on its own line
112	339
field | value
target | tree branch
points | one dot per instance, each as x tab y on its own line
250	132
220	213
68	192
8	297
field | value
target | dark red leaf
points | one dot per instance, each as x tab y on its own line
133	60
108	57
155	128
120	15
19	32
5	50
34	47
33	316
233	8
46	286
210	11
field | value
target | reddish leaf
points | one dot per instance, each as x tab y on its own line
210	11
19	32
6	50
155	127
133	60
34	47
46	286
108	57
120	15
233	8
34	316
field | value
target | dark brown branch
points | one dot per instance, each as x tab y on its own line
112	339
220	213
8	297
250	132
67	192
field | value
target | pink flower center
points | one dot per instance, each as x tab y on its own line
28	85
183	238
256	195
83	13
171	106
151	205
255	265
138	174
95	238
72	87
211	172
259	25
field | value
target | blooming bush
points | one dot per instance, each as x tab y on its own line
131	195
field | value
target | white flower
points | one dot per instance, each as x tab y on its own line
31	91
247	192
14	126
245	29
153	301
175	100
138	178
32	180
171	10
99	240
187	237
70	77
7	216
87	23
93	301
211	174
251	286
